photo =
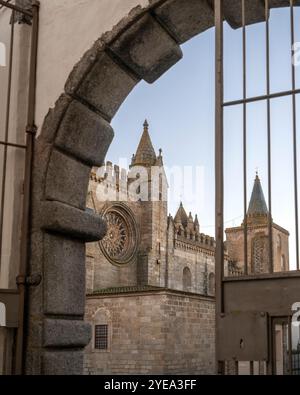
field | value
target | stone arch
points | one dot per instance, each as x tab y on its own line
186	279
75	136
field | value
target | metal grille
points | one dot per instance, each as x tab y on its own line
245	284
101	337
296	362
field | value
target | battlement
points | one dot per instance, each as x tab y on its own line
111	175
187	232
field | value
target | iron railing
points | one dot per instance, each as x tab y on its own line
220	105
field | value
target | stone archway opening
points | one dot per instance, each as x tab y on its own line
75	136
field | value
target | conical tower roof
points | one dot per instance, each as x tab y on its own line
181	216
257	205
145	154
257	209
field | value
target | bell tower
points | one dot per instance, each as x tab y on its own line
153	201
257	238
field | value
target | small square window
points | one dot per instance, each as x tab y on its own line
101	337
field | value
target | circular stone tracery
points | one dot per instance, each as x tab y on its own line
120	243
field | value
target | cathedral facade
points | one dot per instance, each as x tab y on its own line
151	281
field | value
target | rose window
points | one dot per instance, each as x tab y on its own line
119	243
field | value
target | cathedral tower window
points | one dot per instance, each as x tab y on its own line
102	330
260	258
187	279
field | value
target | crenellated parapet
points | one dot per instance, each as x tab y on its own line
111	176
187	234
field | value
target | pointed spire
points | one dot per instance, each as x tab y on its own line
145	154
196	224
181	216
160	161
190	225
257	206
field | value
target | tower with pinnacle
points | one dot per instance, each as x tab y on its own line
258	238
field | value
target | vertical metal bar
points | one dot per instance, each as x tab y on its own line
270	224
219	174
30	137
295	134
5	147
290	345
270	363
236	368
245	139
251	368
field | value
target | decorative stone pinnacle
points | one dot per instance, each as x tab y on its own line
146	125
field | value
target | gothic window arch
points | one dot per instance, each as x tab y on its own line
211	284
279	241
187	279
260	256
102	331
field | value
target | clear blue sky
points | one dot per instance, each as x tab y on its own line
180	111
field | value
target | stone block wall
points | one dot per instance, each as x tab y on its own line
200	264
154	332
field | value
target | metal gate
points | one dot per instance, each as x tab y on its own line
254	311
16	150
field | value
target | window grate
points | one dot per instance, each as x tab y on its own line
101	337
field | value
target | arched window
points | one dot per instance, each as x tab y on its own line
187	279
260	254
101	331
211	284
160	188
278	241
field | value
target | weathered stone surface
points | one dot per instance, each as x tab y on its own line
147	49
66	333
54	117
62	363
150	331
63	219
64	272
105	86
67	180
186	19
84	134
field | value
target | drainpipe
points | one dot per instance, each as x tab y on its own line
22	280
